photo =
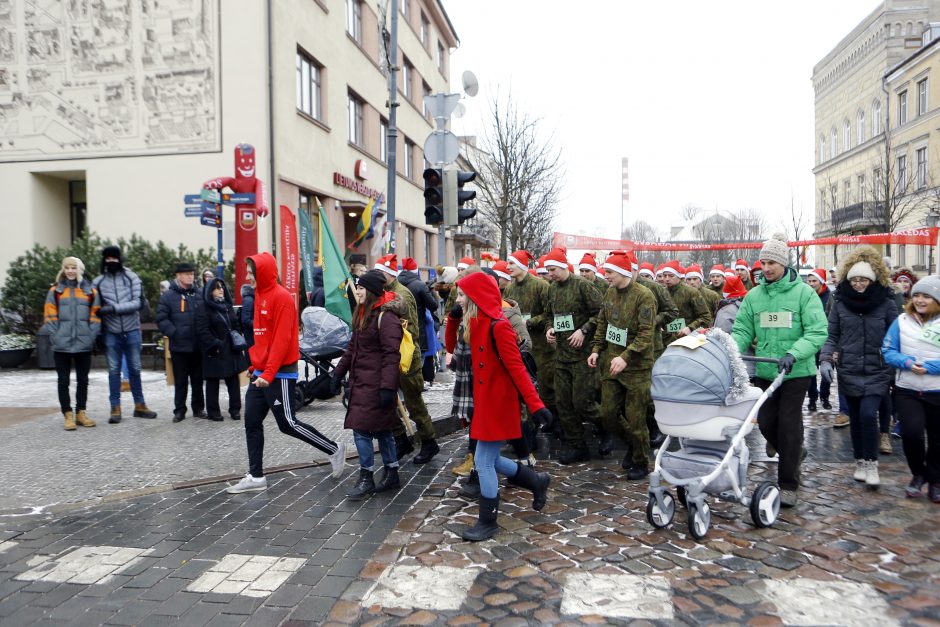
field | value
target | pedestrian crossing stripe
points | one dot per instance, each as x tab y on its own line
6	545
83	565
439	588
247	575
810	602
617	596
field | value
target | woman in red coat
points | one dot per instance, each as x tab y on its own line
498	378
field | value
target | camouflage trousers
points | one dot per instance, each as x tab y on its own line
575	399
623	411
412	387
545	362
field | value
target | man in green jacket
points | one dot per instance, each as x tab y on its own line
783	318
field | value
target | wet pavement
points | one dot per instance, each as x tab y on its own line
301	554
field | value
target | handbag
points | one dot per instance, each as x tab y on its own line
235	338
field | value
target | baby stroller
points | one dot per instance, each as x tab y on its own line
324	338
704	399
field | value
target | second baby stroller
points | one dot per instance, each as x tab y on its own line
704	399
324	339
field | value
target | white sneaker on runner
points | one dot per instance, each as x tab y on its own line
249	484
338	460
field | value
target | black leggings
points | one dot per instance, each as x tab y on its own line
920	414
63	368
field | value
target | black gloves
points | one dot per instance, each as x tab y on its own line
786	363
456	312
106	309
387	398
543	417
336	384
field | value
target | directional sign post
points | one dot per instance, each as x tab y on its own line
206	206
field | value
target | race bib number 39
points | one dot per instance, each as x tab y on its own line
776	319
932	335
616	335
564	323
676	325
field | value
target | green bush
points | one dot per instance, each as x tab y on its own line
30	275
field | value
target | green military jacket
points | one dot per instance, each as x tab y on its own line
573	303
692	308
531	294
626	329
412	316
718	290
666	311
711	299
600	284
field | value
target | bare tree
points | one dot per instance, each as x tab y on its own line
838	217
689	212
519	179
796	227
642	231
897	190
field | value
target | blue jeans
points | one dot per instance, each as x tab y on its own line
488	462
863	412
363	440
119	346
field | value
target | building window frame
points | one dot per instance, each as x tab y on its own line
846	135
383	140
846	192
876	118
305	203
355	120
921	97
860	127
425	32
902	108
822	148
406	9
441	58
354	20
921	157
407	75
309	82
409	169
833	143
860	186
901	183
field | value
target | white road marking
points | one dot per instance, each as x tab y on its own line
812	602
247	575
85	565
426	587
617	596
6	545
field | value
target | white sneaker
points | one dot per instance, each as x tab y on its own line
861	470
338	460
871	477
249	484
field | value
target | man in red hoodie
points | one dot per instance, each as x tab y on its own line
274	358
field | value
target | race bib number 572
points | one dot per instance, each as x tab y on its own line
932	334
564	323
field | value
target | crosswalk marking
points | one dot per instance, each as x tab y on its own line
617	596
812	602
84	565
247	575
438	588
6	545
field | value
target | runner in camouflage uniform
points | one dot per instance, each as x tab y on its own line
590	271
666	312
743	270
716	280
695	278
693	312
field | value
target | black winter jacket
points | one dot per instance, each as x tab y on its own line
176	317
247	314
423	298
857	327
213	321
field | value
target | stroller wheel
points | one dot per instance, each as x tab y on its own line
700	517
765	505
680	494
657	517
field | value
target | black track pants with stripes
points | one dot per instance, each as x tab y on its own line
276	398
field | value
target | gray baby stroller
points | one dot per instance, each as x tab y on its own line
704	399
324	338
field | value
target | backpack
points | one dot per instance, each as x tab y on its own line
527	359
407	347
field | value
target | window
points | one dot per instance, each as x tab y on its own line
921	168
354	19
409	159
355	120
426	91
406	9
860	184
877	183
308	86
860	127
834	195
901	183
441	57
833	143
427	248
407	71
902	108
425	30
902	255
383	140
846	136
921	256
409	241
822	202
846	193
922	97
876	118
822	148
305	203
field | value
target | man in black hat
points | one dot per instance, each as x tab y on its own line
176	317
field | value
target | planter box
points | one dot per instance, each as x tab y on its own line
15	357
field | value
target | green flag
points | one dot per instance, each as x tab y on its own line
306	249
335	273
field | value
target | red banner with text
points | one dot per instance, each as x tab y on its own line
916	237
289	277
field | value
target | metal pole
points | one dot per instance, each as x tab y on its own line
392	120
220	261
441	245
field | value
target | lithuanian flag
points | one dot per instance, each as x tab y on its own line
366	222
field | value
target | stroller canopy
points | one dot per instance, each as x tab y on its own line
701	376
323	333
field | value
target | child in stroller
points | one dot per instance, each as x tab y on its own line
323	340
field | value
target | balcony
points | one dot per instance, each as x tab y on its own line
865	216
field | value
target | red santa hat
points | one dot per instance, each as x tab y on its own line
540	266
621	264
694	271
820	274
733	287
521	258
741	264
465	263
588	262
758	267
601	272
659	269
647	269
501	269
717	269
409	264
556	257
387	264
533	272
729	272
673	267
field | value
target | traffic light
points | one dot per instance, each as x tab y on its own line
465	196
433	196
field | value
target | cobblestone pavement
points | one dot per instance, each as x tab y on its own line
51	467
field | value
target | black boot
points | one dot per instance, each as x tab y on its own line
364	487
470	487
390	480
428	450
536	482
606	445
573	454
486	526
403	446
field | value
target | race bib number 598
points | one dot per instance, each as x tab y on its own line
616	335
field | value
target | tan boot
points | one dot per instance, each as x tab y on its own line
115	415
142	411
83	420
69	421
464	468
125	386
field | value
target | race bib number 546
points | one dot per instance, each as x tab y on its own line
564	323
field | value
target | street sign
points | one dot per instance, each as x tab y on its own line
238	199
192	212
211	207
192	199
215	221
211	195
441	147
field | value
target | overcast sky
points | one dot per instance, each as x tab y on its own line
711	101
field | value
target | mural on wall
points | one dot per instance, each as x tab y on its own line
101	78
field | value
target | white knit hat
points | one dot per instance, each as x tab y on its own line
862	269
775	249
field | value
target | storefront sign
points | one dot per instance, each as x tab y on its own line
351	183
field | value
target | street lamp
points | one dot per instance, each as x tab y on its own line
933	218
